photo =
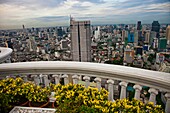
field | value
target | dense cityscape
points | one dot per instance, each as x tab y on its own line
138	45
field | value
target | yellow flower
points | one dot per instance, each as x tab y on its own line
148	107
104	110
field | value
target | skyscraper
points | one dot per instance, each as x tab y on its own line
136	38
147	36
32	44
97	33
80	40
152	36
123	35
131	37
139	26
168	34
155	26
60	31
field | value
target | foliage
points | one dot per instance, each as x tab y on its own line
4	103
74	96
12	88
37	93
16	90
78	99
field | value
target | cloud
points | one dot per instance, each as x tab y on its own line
51	18
41	12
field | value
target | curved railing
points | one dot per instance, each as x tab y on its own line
5	54
157	81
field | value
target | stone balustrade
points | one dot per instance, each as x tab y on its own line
40	71
5	54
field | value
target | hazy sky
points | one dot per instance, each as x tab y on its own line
37	13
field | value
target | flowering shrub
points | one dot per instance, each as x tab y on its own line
37	93
71	98
12	88
17	90
78	99
126	106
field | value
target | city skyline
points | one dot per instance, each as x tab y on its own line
15	13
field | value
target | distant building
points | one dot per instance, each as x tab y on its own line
131	37
23	28
147	36
155	26
39	34
32	44
60	31
128	55
139	50
9	44
139	25
97	33
168	34
136	38
80	40
64	44
152	36
155	43
145	47
162	44
123	35
159	57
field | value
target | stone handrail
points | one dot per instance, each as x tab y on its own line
4	53
157	81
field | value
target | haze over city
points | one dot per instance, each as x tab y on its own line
41	13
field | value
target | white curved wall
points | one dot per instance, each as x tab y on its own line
155	79
4	53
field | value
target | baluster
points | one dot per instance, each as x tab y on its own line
7	76
25	78
153	92
46	81
137	88
41	79
98	82
75	79
65	79
57	78
36	79
167	107
123	89
87	80
80	77
110	89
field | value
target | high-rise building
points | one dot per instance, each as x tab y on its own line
128	55
23	27
60	31
162	43
136	38
168	34
152	36
32	44
139	26
80	40
131	37
123	35
155	43
155	26
147	36
97	33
